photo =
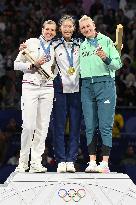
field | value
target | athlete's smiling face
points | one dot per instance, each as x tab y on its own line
87	28
67	29
49	31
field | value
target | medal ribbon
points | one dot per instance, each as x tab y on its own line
93	42
69	57
46	50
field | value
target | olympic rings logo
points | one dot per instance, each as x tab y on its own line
72	194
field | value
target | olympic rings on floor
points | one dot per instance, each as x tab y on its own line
72	194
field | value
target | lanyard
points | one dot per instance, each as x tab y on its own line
69	57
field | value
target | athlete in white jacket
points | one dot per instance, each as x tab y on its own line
67	102
37	97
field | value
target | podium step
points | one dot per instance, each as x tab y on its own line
59	189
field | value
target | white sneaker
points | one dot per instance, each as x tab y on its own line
91	167
103	167
22	167
70	167
37	168
61	167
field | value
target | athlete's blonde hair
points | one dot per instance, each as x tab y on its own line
84	18
48	22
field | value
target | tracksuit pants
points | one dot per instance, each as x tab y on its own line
36	105
98	96
66	104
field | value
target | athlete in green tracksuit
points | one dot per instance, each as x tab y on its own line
99	59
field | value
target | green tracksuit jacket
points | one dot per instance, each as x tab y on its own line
92	65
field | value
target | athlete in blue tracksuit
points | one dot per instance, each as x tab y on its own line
67	101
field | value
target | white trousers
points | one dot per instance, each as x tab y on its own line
36	105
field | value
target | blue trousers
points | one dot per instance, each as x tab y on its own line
98	96
66	104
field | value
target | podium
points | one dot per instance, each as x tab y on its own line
78	188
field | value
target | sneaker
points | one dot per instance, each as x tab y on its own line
61	167
22	167
91	167
37	168
70	167
103	167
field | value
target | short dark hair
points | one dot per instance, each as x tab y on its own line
66	17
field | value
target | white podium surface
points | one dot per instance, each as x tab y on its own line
59	189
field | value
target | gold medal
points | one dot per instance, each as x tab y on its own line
71	70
